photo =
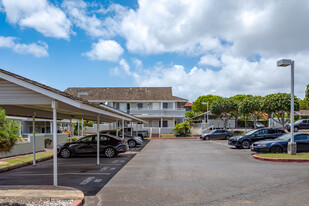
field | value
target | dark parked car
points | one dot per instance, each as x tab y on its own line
255	135
217	134
142	134
280	144
299	124
132	140
110	146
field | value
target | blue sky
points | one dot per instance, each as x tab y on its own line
198	48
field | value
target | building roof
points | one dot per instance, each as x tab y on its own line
68	96
304	113
125	93
188	104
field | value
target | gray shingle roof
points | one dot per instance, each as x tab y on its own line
125	93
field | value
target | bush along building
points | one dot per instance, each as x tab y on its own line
155	105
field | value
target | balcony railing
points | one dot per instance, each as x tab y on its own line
161	112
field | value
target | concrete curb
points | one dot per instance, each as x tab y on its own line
24	164
280	160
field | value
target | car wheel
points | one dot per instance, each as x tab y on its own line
65	153
132	143
245	144
296	129
109	152
207	138
276	149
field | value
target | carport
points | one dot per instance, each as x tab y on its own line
23	97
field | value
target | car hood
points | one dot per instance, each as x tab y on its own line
269	141
236	137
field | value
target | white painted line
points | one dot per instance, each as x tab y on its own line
103	169
97	180
86	181
115	161
25	174
113	168
122	161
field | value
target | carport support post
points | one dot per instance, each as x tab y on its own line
33	138
122	129
71	130
55	172
98	140
117	128
82	127
131	128
78	129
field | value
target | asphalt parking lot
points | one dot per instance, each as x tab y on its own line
78	172
194	172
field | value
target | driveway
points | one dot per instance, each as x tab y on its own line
193	172
78	172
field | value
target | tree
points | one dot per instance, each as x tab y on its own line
199	108
223	108
9	131
303	104
253	106
239	98
307	93
190	114
181	128
279	104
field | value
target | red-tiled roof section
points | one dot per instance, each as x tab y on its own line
125	93
188	104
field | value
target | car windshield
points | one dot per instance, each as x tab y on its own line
284	137
251	132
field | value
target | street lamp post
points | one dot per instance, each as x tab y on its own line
203	103
284	63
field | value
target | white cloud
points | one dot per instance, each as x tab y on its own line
39	15
37	50
237	76
253	27
108	50
210	60
91	21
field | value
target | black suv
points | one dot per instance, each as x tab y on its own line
299	124
247	139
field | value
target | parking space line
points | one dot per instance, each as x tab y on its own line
103	169
86	181
113	168
30	174
115	161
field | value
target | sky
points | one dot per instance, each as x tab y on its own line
197	47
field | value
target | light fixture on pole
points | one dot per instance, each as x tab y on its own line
285	63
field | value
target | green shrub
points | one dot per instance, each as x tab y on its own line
182	128
9	130
74	139
47	141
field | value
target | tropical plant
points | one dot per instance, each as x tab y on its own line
223	108
182	128
239	98
9	132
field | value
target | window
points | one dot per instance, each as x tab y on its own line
140	105
165	124
306	121
301	137
272	131
165	105
86	139
117	106
263	131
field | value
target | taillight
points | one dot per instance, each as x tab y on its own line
147	132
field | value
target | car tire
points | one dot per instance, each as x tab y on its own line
207	138
132	143
296	129
245	144
65	153
109	152
276	149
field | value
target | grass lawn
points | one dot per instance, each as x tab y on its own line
15	161
285	156
167	135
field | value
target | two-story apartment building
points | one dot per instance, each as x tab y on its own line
156	105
